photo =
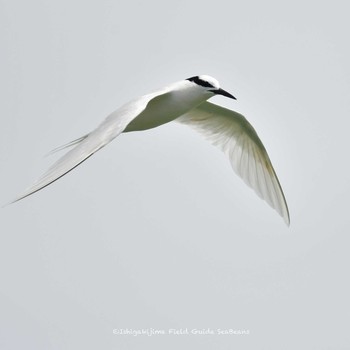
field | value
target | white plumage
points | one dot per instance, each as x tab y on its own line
186	102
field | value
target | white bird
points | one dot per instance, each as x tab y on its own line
186	102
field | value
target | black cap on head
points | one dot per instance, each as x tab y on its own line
201	82
210	84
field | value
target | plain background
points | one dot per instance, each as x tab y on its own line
156	231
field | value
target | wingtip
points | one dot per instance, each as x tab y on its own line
286	219
19	198
12	201
9	203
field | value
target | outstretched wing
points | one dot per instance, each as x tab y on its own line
237	138
89	144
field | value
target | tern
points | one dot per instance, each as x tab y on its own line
185	102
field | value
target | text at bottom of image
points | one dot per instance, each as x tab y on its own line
179	331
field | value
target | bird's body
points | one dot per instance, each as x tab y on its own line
183	101
167	105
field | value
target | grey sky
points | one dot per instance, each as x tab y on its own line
156	231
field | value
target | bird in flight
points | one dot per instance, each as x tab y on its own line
185	102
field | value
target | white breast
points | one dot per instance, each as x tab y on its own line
178	99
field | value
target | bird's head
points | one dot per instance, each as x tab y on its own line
210	85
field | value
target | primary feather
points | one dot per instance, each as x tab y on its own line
231	132
89	144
